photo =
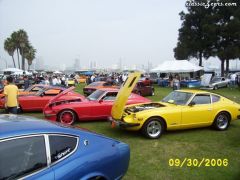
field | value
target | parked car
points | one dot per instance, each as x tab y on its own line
71	82
143	90
37	101
218	82
89	89
181	109
31	148
31	90
97	106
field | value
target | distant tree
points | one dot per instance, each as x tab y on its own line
30	55
14	37
210	31
194	39
9	46
227	45
19	41
23	45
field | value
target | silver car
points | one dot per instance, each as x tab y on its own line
218	82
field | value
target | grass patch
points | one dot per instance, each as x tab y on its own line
149	158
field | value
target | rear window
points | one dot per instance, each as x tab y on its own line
215	98
61	146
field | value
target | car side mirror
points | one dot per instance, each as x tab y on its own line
100	101
191	103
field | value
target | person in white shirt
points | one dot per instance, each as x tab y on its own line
233	79
54	81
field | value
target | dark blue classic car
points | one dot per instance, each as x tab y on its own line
37	149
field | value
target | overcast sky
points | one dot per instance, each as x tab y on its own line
98	30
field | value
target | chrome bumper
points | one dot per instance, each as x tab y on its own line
121	124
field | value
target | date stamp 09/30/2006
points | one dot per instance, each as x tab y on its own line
195	162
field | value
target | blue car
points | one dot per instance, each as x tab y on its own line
31	148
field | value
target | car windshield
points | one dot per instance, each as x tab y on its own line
215	80
95	95
177	97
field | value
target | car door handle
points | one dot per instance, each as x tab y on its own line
209	109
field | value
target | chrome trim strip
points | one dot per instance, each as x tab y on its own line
47	145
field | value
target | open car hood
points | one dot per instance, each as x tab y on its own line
62	94
123	94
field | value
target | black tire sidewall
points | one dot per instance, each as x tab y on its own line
215	121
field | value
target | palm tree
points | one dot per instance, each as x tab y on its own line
23	43
14	37
9	46
30	56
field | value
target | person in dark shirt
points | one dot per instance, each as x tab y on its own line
26	82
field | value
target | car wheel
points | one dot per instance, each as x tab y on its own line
221	121
228	85
215	87
67	117
153	128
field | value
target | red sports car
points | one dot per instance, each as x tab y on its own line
36	102
97	106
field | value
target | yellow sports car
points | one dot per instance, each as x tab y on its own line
181	109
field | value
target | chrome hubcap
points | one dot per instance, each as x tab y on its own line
222	121
67	117
154	128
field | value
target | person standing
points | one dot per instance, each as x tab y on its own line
26	82
11	96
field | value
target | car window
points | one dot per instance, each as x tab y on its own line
202	99
215	98
110	96
178	97
95	95
107	84
61	146
36	89
22	156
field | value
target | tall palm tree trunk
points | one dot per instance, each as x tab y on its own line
23	60
13	62
29	67
18	58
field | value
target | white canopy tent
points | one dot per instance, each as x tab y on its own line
57	72
176	66
15	71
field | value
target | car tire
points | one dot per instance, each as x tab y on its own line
153	128
67	117
221	121
215	87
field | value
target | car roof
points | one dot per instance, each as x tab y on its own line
195	91
15	125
